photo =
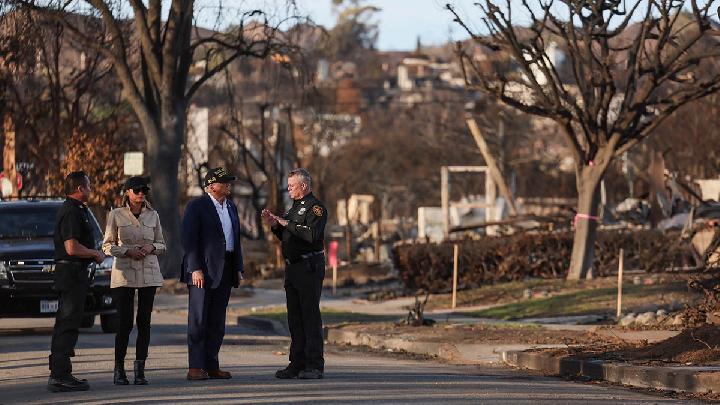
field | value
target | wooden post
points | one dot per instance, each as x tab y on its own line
490	210
348	231
378	226
333	262
348	243
334	270
490	199
376	237
445	200
456	249
621	267
492	165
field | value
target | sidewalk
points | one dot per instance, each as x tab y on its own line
268	299
397	306
672	378
246	299
475	353
458	353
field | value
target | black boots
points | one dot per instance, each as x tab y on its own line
67	383
139	368
119	376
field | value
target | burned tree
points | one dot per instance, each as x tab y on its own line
65	106
161	59
628	66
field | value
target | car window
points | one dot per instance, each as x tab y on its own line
27	223
31	222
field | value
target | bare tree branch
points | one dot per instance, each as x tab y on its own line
621	76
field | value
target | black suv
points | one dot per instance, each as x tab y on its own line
26	265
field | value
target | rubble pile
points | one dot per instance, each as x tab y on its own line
706	241
661	317
708	309
691	346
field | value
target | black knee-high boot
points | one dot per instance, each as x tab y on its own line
139	368
119	376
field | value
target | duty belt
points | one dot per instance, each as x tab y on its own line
304	257
72	262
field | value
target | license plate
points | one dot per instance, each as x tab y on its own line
48	306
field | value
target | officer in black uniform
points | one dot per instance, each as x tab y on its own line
74	251
301	230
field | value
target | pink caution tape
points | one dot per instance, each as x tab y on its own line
585	217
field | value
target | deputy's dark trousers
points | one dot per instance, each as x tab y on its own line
303	285
71	284
124	298
206	322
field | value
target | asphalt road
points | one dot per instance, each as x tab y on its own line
352	376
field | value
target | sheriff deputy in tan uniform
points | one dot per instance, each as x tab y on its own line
133	235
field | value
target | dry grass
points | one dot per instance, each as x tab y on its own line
560	297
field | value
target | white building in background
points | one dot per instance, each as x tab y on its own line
710	189
554	55
430	223
358	210
323	71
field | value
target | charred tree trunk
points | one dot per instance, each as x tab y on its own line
586	221
258	214
164	153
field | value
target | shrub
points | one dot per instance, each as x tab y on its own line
537	255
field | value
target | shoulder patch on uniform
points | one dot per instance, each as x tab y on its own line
318	210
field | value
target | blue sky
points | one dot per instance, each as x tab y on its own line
400	21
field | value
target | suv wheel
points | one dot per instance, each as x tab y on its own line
109	323
88	321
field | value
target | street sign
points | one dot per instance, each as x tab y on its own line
133	164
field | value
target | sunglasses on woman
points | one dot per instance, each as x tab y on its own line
139	190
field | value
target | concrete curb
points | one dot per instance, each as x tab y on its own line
263	324
688	379
446	351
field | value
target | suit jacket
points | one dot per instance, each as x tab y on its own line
204	242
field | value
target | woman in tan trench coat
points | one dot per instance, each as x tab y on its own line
133	235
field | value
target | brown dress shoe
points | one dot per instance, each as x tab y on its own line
219	375
195	374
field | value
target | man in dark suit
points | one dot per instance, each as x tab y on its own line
212	265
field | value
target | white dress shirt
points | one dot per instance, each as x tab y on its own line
224	214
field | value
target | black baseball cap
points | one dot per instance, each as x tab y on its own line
218	175
136	182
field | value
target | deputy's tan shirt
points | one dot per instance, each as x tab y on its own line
122	232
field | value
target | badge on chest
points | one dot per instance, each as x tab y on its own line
302	210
